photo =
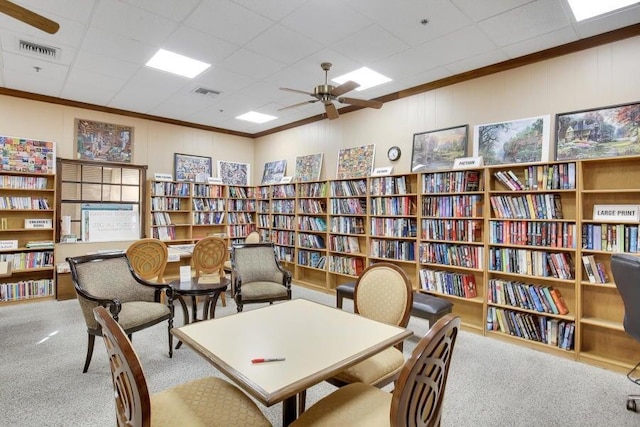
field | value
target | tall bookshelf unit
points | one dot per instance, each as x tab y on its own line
451	247
208	215
601	340
532	250
241	212
24	197
283	223
347	248
170	210
263	211
311	222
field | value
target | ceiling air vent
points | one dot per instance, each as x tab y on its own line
206	92
39	50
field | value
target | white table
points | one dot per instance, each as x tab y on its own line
317	341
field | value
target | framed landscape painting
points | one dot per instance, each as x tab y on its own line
355	162
308	168
233	173
104	142
437	149
191	168
273	172
516	141
603	132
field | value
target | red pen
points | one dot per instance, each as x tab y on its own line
263	360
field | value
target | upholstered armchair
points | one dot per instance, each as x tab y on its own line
257	275
109	280
253	237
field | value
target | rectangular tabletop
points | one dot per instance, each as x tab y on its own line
317	341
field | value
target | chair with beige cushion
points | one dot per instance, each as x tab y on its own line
253	237
415	401
257	275
207	260
149	257
109	280
203	402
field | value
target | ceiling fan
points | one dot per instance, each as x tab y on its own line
327	93
28	17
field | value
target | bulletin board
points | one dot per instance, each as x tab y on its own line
107	222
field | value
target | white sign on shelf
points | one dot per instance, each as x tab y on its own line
162	177
382	171
38	223
8	244
468	162
617	213
214	180
285	179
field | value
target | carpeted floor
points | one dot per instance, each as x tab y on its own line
491	383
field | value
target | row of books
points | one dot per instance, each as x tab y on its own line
182	189
24	203
165	203
203	204
285	253
393	227
241	192
312	259
208	190
596	272
238	205
348	206
346	244
611	237
451	182
240	218
464	230
532	263
283	190
286	222
389	185
26	289
392	249
312	223
286	238
349	188
449	283
311	241
311	206
208	218
392	206
447	254
313	189
543	299
554	332
27	260
263	193
240	230
529	206
161	218
24	182
348	225
346	265
462	206
39	244
283	206
560	176
529	233
164	232
264	221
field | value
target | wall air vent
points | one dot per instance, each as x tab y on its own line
39	50
206	92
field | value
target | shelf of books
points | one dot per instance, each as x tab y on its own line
311	225
347	248
606	185
241	212
263	212
283	223
170	210
27	220
532	250
393	222
208	215
451	245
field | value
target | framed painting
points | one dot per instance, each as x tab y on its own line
273	172
103	142
27	155
437	149
233	173
308	168
355	162
516	141
602	132
188	167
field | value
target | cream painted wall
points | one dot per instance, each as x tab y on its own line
593	78
154	142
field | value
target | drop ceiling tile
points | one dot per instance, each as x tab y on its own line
223	80
95	88
358	46
170	9
283	44
250	63
477	61
78	10
624	17
30	82
117	46
27	65
198	45
272	9
525	22
95	63
480	10
10	42
545	41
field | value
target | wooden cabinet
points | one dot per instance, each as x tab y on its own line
27	224
311	225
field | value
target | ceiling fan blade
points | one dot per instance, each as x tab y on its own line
29	17
344	88
332	113
297	105
361	102
296	91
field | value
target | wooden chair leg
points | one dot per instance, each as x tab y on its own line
92	340
223	298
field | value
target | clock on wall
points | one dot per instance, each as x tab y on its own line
394	153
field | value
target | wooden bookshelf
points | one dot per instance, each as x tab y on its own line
241	212
208	211
170	211
27	198
283	223
312	228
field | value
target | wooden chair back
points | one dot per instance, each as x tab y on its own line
148	257
419	392
133	404
253	237
209	255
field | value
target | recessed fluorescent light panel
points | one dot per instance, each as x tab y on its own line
585	9
366	77
177	64
254	117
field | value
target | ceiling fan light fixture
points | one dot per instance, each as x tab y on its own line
366	77
175	63
255	117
